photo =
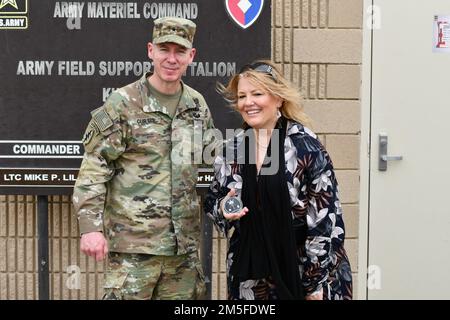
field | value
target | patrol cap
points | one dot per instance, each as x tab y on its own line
173	29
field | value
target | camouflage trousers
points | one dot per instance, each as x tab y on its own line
132	276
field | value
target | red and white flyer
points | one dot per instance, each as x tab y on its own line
441	33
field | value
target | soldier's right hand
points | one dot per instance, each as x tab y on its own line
94	245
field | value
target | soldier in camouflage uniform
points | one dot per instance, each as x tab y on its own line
135	194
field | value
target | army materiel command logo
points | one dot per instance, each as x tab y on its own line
244	12
12	14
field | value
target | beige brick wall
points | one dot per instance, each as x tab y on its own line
317	43
18	251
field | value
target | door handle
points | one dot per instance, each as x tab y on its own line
382	150
390	158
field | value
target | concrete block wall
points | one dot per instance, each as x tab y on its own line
219	279
72	275
317	44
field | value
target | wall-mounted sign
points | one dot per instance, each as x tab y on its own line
244	12
74	54
441	33
13	14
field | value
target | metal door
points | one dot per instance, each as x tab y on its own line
408	196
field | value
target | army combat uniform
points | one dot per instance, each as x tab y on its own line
137	185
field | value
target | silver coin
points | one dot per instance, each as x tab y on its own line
233	205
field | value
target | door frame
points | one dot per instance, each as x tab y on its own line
365	150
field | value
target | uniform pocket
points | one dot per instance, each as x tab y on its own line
200	285
113	287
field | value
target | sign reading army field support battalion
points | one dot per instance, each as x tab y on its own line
60	60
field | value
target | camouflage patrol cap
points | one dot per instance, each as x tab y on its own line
176	30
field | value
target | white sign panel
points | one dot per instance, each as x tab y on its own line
441	33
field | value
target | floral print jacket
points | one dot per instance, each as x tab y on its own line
313	190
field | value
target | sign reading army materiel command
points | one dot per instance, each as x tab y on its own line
60	60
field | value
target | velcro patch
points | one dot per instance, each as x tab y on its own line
102	120
90	133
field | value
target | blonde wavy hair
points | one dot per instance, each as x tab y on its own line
272	82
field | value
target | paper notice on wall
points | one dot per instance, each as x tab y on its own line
441	33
